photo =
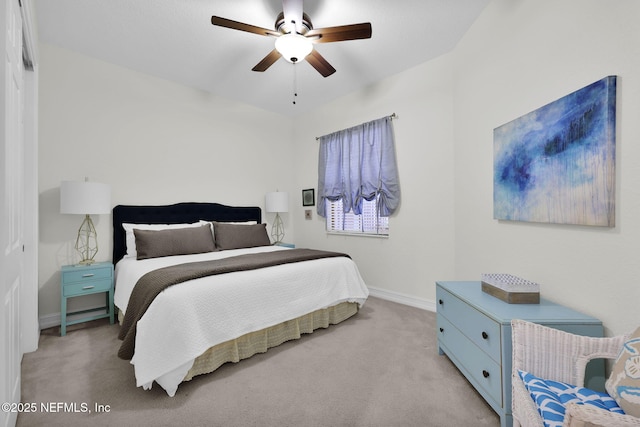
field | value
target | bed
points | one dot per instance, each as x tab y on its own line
192	328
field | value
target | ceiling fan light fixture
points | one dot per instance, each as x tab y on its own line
295	37
293	47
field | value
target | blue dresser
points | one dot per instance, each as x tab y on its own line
474	331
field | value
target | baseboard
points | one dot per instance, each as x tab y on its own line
403	299
49	321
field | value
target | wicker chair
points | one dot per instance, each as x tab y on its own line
557	355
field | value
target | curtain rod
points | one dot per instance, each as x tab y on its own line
391	116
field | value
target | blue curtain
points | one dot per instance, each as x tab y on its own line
359	164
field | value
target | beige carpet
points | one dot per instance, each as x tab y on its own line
379	368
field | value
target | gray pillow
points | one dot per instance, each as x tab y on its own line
175	241
236	236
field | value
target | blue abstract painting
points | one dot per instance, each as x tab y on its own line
557	163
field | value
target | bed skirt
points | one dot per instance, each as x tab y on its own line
260	341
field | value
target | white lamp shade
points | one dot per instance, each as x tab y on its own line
85	198
277	201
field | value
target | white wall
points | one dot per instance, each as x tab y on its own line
420	249
518	56
153	141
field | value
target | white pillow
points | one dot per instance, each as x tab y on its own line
131	239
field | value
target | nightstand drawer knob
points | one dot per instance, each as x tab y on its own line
485	335
441	329
88	275
84	288
485	374
440	302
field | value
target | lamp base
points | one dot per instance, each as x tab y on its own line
87	241
277	229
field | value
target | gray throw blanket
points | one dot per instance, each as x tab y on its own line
154	282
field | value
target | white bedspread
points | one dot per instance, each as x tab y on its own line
187	319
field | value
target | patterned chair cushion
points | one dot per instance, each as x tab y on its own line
624	382
552	396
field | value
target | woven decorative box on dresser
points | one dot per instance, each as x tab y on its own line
474	331
511	289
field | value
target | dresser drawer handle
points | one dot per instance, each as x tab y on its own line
440	302
485	373
485	335
441	330
88	275
84	288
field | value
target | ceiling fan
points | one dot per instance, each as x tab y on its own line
295	37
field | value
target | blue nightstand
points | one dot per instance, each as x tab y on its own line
285	245
79	280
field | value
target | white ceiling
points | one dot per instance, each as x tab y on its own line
174	40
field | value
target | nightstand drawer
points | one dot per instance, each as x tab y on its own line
84	275
93	286
482	330
485	371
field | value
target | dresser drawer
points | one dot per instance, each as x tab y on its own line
485	371
86	288
84	275
480	329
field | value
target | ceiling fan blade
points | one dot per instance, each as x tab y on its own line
267	61
340	33
292	10
318	62
235	25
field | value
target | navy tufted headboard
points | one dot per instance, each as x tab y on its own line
174	214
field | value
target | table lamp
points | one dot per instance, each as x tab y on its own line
85	198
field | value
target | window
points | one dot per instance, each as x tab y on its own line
369	222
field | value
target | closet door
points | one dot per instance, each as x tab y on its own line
11	207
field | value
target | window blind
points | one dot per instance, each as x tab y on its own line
368	222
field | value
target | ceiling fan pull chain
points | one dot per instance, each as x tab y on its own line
295	83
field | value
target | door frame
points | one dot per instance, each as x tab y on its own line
30	328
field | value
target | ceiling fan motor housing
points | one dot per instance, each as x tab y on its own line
288	27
